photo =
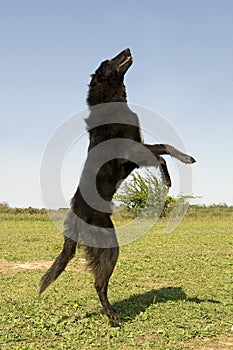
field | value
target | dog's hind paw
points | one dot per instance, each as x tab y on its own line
113	316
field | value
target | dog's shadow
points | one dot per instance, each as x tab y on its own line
134	305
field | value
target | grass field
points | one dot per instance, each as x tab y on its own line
172	291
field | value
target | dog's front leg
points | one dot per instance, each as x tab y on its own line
160	149
164	171
160	161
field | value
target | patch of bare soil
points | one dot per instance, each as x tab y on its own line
10	266
219	343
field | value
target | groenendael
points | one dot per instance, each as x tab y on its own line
116	148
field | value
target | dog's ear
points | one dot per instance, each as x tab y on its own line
93	80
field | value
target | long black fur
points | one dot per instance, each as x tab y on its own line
85	224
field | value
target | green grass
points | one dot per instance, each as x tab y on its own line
172	291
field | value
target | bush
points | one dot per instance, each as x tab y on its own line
144	193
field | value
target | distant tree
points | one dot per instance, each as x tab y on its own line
4	207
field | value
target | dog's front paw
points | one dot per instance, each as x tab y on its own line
186	159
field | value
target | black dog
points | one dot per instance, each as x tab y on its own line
115	140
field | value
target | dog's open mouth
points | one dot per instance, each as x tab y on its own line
128	59
123	61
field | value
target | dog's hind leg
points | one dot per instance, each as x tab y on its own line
102	263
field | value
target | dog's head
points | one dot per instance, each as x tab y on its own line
107	83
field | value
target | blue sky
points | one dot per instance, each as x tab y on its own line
183	69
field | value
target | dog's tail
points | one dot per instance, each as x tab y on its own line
68	252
